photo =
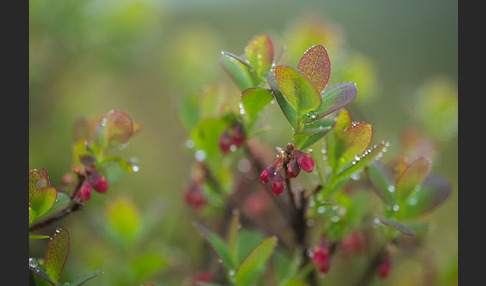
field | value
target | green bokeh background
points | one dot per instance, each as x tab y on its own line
142	57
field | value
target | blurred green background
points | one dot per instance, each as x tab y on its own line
88	57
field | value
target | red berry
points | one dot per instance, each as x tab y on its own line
278	184
293	169
98	182
85	192
385	267
324	267
238	136
305	161
267	174
194	196
225	142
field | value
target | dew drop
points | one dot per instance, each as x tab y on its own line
200	155
413	201
335	218
33	262
355	176
190	144
242	109
391	188
321	209
233	148
396	208
323	150
58	229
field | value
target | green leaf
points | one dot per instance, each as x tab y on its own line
342	122
298	91
206	135
259	54
285	106
249	270
210	102
124	219
115	168
83	279
41	201
411	178
381	183
334	98
240	71
117	127
312	132
38	236
316	66
434	191
398	226
57	253
353	142
254	100
62	202
218	245
189	112
37	180
365	159
247	240
40	276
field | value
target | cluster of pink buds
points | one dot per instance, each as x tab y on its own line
320	256
233	135
194	196
293	160
92	180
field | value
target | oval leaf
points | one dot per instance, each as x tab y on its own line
434	191
316	66
218	245
41	201
57	253
353	142
248	270
312	132
259	54
61	203
254	101
240	71
285	106
334	98
117	127
298	91
412	177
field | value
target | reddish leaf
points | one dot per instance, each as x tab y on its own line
259	54
57	253
316	66
298	91
118	127
412	177
434	191
354	141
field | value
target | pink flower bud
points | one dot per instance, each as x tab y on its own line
321	259
305	161
385	267
85	192
267	174
194	196
293	169
225	142
238	136
278	184
98	182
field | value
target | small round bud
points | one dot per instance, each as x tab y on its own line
278	184
225	142
194	196
98	182
85	192
238	136
267	174
293	169
385	267
321	259
305	161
